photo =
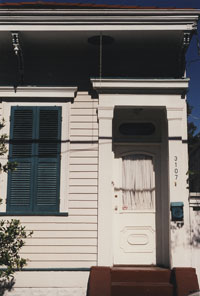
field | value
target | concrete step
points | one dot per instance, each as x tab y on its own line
141	289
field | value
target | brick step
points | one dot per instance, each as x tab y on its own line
140	275
141	289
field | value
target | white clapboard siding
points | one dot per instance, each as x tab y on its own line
83	160
79	153
82	212
83	189
89	204
88	118
71	241
61	264
83	112
83	175
65	233
84	147
79	196
59	249
64	220
83	168
61	242
60	226
84	182
83	132
84	125
61	257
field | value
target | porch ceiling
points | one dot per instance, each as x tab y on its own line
67	58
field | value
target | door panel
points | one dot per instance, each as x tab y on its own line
135	209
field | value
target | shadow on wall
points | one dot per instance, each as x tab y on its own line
6	285
195	229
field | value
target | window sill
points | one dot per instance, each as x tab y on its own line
32	214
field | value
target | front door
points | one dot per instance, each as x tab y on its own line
134	208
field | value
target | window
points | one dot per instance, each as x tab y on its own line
35	144
137	128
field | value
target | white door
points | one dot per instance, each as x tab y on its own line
134	209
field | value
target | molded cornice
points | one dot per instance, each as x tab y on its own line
63	93
171	19
141	86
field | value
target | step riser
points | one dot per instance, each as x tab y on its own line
141	291
141	276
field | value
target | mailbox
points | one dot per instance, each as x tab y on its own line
177	211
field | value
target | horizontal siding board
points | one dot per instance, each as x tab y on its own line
59	249
78	153
83	182
83	204
83	212
78	118
79	196
61	242
84	125
60	226
83	168
87	147
83	112
83	132
56	219
64	233
83	189
62	257
62	264
83	175
83	160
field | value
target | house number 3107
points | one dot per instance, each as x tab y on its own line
176	168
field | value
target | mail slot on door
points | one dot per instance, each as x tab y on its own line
177	211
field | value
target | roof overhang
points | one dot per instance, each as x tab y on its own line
98	19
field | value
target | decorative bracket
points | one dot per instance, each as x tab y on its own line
19	55
186	39
15	42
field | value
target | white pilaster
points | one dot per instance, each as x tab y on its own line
105	258
178	192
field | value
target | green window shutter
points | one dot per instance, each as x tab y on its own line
48	160
35	144
20	186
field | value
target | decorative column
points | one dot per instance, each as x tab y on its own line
178	192
105	116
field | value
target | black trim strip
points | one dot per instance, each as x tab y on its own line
175	138
105	138
53	269
33	214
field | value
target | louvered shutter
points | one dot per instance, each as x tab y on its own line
20	181
47	177
35	145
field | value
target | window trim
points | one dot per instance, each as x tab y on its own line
59	100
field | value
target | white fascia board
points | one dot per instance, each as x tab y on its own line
103	27
90	20
108	85
40	92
